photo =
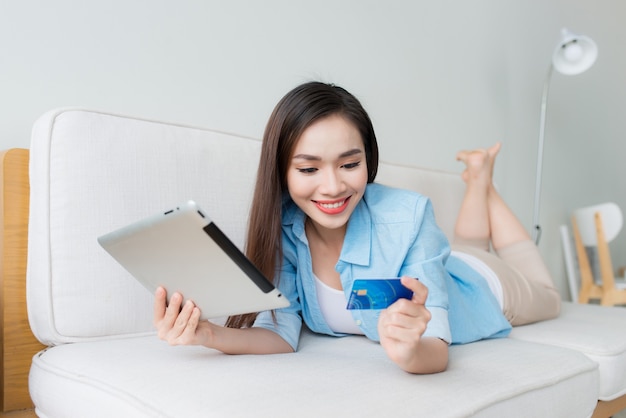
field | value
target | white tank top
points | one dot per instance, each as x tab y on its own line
333	306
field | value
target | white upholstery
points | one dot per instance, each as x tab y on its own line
593	330
328	377
92	172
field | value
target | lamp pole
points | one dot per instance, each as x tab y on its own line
574	54
536	235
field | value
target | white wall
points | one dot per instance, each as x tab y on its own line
435	76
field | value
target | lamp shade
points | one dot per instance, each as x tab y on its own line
574	54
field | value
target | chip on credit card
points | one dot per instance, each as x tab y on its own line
377	293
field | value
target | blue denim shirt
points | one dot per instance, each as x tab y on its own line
391	233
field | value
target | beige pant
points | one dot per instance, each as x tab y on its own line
529	293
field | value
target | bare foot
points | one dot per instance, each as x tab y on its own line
479	164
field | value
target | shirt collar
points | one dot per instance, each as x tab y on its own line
358	242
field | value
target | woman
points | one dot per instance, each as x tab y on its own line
319	221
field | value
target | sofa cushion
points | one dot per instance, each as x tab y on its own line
597	331
91	173
146	377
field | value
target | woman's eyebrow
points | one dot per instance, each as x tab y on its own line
345	154
306	157
350	153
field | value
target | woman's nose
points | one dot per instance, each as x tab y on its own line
333	184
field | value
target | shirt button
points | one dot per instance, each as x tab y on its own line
358	322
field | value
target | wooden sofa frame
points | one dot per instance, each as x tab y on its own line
17	343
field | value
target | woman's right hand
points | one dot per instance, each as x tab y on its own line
180	325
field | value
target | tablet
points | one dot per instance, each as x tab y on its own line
184	251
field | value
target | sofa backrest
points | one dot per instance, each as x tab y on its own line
92	172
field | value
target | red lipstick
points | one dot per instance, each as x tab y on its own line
332	207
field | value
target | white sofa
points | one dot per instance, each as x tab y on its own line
91	172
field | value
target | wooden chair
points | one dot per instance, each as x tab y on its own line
596	226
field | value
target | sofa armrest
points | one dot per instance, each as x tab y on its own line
17	343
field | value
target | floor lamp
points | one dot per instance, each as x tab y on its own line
574	54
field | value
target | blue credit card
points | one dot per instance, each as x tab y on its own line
376	293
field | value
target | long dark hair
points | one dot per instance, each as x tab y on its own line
295	112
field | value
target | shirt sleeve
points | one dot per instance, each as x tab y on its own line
426	260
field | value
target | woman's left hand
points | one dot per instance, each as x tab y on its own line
400	328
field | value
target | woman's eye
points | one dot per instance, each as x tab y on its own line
352	165
309	170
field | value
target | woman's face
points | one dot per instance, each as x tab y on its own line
327	173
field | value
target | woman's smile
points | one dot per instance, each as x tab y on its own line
332	207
